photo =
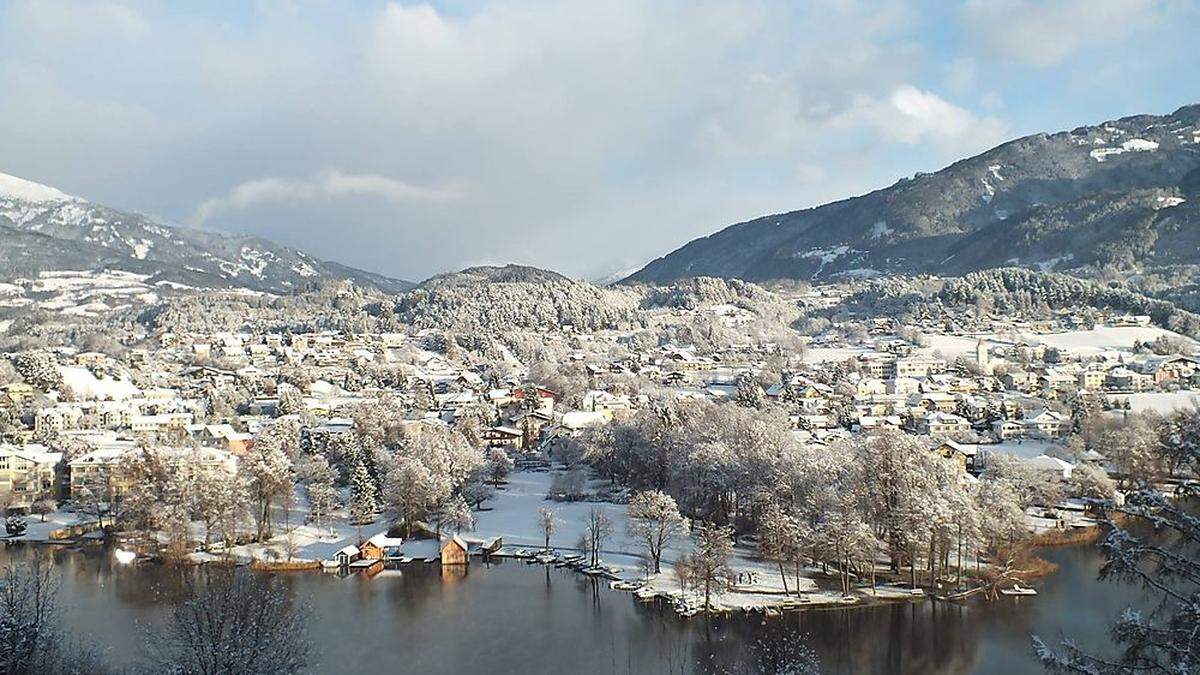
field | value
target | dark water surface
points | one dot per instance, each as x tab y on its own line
513	617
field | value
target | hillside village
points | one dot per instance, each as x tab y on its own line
302	448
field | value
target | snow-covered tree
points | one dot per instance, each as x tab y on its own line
654	520
548	523
781	538
1091	482
1154	544
454	514
39	369
291	401
364	501
709	561
499	465
268	470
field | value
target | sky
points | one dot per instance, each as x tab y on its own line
412	138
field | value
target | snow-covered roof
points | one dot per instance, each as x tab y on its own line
382	540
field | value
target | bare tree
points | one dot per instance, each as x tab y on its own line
234	623
710	561
547	523
31	641
597	530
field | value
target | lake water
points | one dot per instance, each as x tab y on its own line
513	617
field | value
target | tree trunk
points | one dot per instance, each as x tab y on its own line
783	576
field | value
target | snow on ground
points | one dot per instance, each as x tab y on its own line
951	346
1027	448
88	386
39	530
832	354
1159	401
1101	338
513	516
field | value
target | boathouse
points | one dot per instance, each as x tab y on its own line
454	551
382	547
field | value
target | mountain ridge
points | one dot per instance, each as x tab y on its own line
46	229
1130	169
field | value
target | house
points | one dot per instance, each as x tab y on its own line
28	474
919	366
454	551
1008	429
942	423
1091	379
960	453
1164	370
346	555
502	437
18	392
381	547
1053	465
1047	424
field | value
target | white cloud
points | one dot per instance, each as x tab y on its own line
328	184
912	116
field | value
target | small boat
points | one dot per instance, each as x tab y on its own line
847	600
522	553
1018	589
618	585
645	594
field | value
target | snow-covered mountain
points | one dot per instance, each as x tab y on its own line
1122	194
41	229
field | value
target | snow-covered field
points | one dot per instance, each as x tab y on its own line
88	386
1159	401
951	346
1101	338
833	354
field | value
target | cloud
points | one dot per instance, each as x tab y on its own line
65	21
328	184
573	134
1044	34
913	116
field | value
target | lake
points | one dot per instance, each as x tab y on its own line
511	617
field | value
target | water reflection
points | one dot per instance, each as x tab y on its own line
512	616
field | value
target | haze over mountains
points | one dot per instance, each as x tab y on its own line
43	229
1123	193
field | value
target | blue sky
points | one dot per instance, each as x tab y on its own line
412	138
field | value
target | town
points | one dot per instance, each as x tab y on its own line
750	419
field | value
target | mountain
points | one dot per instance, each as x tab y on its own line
1125	193
43	229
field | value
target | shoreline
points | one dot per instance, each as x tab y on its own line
659	589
